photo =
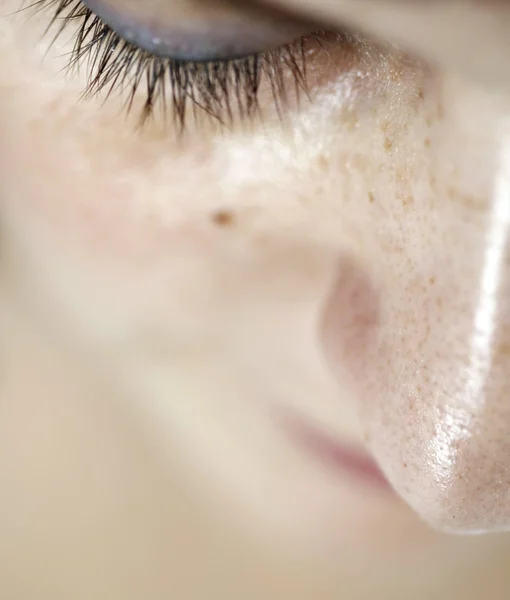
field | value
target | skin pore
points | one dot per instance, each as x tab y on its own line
163	299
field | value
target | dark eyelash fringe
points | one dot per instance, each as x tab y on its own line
224	90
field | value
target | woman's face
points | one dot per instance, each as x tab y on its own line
202	268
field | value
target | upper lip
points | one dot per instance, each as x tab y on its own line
339	456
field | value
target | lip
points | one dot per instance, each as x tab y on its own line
340	458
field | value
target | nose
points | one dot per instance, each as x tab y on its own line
432	375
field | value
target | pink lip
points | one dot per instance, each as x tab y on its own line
341	458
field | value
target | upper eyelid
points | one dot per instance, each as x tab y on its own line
171	35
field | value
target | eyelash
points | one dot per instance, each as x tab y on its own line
225	91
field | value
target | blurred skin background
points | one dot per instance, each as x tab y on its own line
267	361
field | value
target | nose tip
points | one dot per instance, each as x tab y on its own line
452	470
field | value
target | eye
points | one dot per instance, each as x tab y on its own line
185	54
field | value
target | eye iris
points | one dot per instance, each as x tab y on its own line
196	39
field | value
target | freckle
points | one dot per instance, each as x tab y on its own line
432	280
421	94
452	193
223	218
472	202
503	349
427	143
404	465
322	162
408	200
388	144
351	122
371	197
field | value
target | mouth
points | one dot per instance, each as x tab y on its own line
340	458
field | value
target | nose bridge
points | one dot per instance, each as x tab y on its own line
433	376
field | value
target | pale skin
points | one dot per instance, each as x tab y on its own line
165	301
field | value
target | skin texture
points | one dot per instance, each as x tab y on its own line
169	296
